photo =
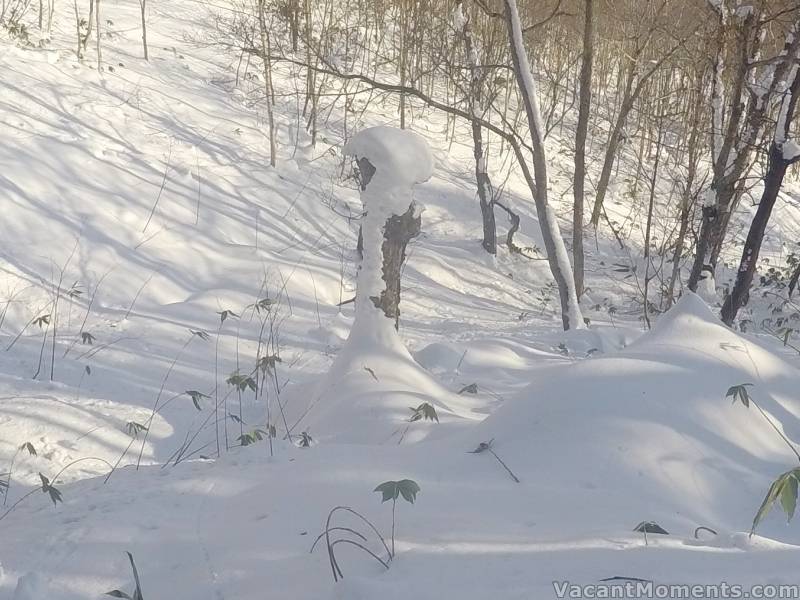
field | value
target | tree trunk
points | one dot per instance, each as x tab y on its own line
484	192
482	179
732	151
265	48
778	163
557	256
585	95
143	7
97	34
755	236
611	148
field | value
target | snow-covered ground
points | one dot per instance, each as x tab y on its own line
145	194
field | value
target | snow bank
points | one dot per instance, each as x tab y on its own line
586	431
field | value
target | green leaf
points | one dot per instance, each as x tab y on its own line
241	382
264	304
388	489
409	490
29	447
196	397
223	315
118	594
789	497
391	490
472	388
134	429
43	320
87	338
650	527
482	447
137	593
201	334
424	411
739	392
267	363
784	488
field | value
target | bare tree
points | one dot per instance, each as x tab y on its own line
143	9
739	110
783	152
265	57
581	130
554	245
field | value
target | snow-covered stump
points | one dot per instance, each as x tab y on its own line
391	161
366	395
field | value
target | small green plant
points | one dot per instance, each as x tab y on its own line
251	437
223	316
646	527
43	323
49	489
487	447
133	429
305	440
392	490
5	486
784	488
137	592
241	382
424	412
472	388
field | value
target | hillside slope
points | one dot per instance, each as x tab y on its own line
144	194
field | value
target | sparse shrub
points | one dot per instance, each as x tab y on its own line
784	488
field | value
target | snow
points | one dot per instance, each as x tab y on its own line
791	150
605	426
459	20
402	158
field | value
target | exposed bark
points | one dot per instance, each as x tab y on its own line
398	232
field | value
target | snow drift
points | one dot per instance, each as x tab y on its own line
648	434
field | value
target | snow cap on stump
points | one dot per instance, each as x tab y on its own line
400	157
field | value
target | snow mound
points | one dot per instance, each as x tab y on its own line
369	394
586	431
402	153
